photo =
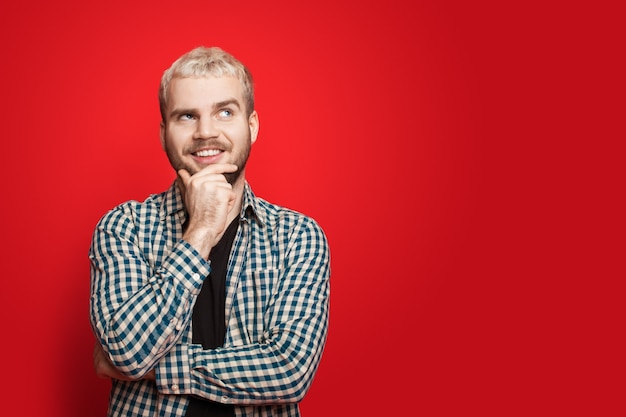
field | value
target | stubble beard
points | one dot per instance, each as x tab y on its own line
177	162
241	162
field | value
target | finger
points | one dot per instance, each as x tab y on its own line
184	175
100	363
218	169
96	348
202	177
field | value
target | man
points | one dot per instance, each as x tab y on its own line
205	299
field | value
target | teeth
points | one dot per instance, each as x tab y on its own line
208	152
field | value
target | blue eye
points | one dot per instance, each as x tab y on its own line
226	113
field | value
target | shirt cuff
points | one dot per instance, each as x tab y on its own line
173	371
186	265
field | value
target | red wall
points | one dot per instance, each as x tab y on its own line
462	157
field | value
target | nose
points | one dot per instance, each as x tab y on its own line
205	129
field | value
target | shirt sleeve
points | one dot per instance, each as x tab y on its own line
279	366
137	312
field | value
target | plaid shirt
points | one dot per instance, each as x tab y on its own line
145	280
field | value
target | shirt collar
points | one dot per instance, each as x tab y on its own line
250	206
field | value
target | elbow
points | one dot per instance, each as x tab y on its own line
130	363
127	369
300	379
295	391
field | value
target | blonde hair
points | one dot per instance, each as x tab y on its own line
203	61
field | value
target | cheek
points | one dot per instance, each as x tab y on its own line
239	134
176	136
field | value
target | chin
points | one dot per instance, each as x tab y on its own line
232	177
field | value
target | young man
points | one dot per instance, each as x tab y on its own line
205	299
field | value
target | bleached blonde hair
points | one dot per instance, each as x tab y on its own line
203	61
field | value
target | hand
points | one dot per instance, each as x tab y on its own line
209	199
105	369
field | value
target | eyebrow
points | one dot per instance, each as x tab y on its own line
218	105
226	103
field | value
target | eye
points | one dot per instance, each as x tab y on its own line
186	116
225	113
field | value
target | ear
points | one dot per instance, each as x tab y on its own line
162	134
253	123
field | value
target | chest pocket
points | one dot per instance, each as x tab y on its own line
258	298
255	281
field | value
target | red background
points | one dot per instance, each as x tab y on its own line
463	158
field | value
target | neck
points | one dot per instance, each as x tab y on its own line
238	188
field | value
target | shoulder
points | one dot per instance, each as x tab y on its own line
131	212
283	220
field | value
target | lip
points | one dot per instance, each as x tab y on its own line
207	160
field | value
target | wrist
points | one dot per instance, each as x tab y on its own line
200	240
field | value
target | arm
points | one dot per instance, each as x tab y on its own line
105	369
137	312
279	366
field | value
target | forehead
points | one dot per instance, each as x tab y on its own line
204	91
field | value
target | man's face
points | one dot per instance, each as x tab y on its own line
205	122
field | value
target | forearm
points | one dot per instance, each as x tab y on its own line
278	371
264	361
139	314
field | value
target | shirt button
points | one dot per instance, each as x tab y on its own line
225	399
196	276
175	388
179	326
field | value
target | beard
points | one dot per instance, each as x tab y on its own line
240	159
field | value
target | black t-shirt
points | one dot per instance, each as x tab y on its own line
209	318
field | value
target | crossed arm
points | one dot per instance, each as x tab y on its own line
105	369
139	316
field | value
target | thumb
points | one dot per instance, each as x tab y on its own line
183	179
231	201
184	175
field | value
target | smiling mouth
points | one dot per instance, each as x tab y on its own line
207	152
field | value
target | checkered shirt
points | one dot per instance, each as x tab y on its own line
145	280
